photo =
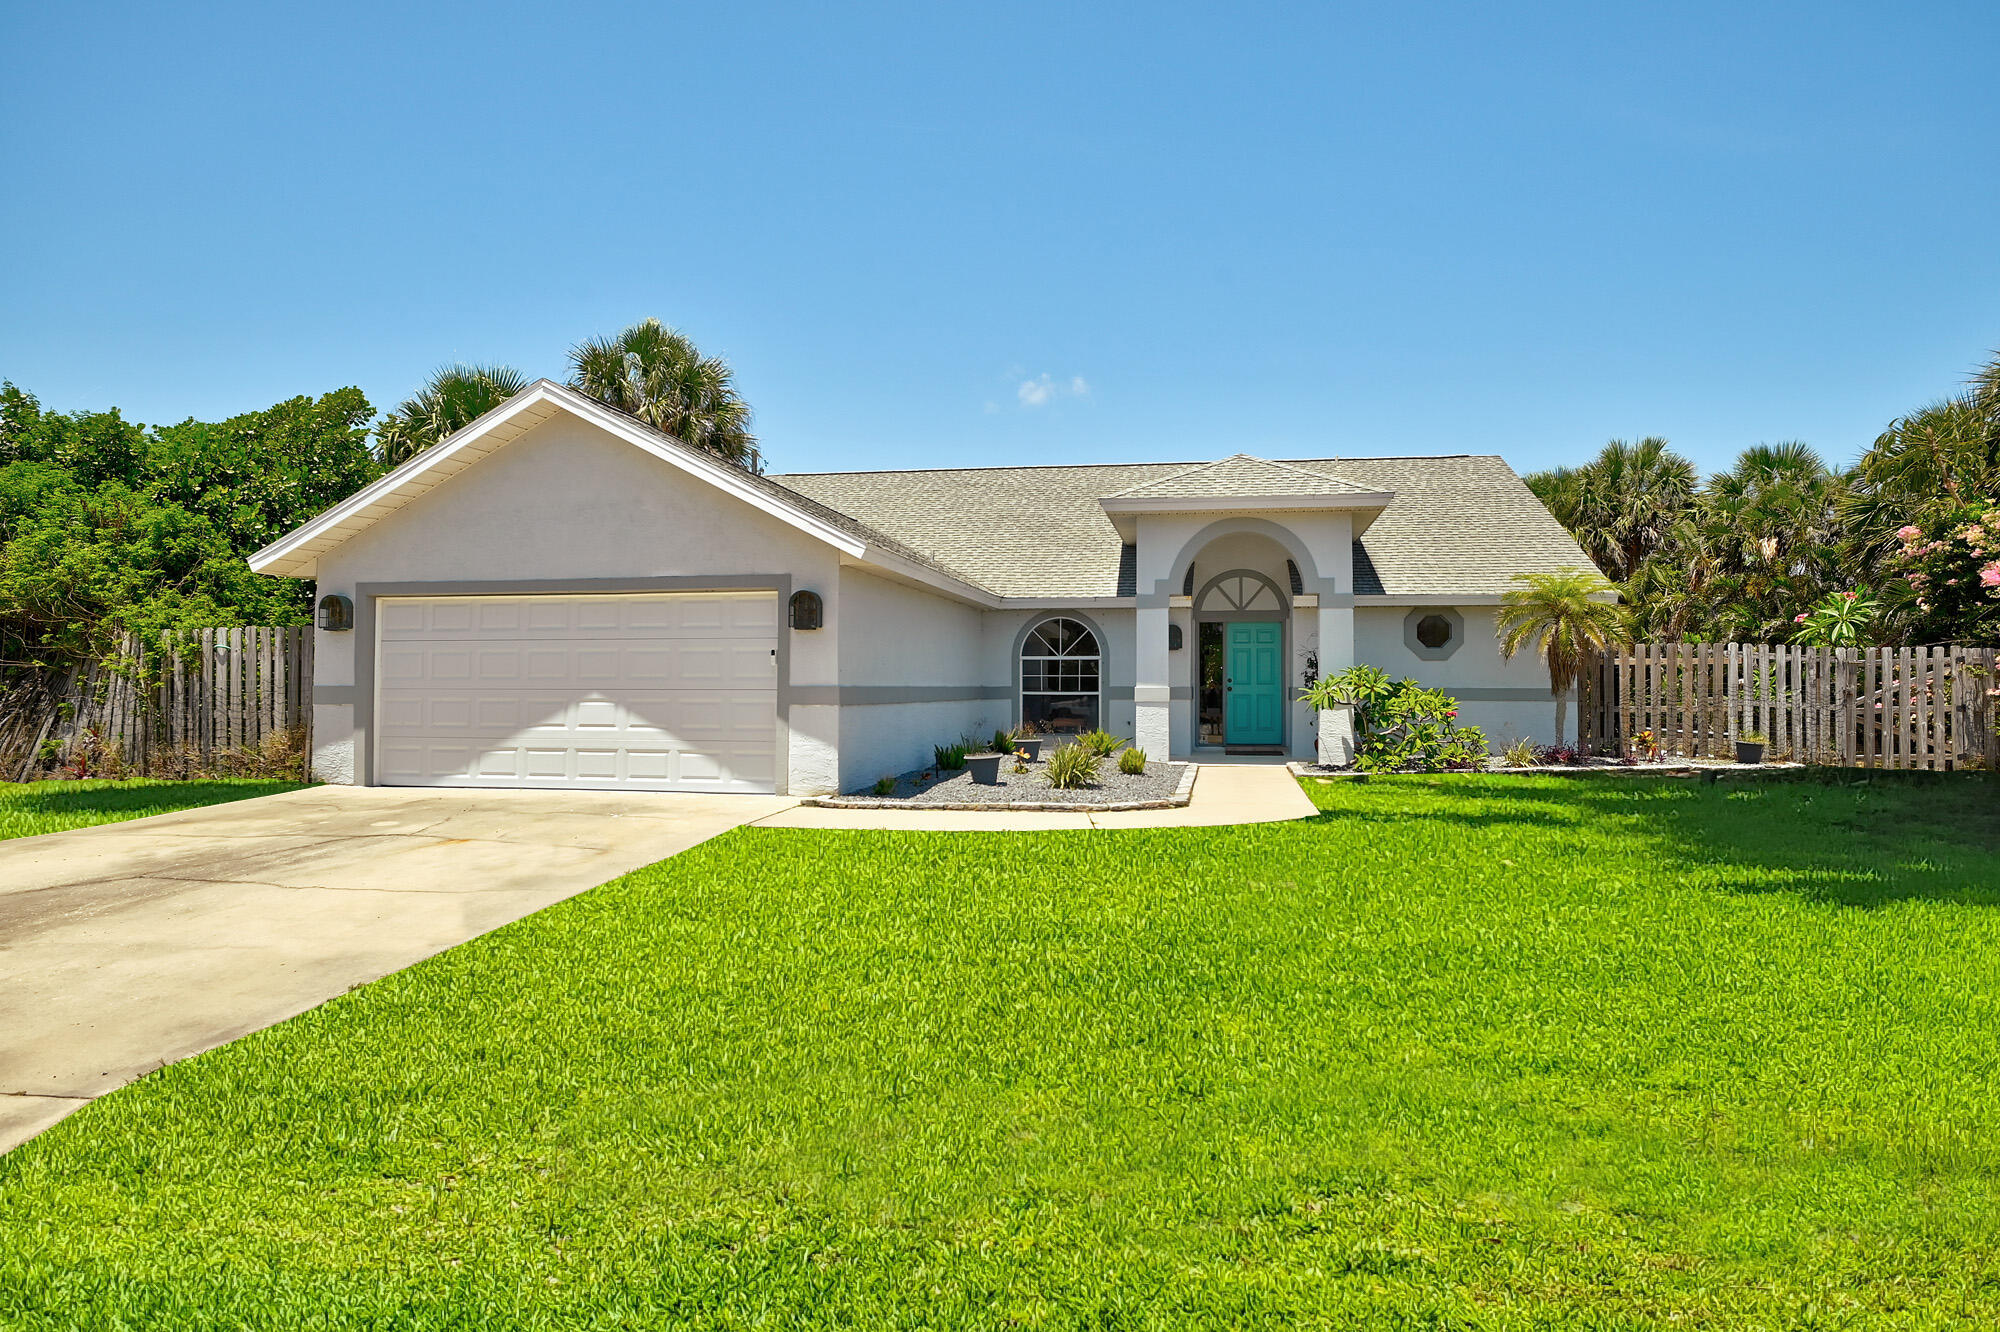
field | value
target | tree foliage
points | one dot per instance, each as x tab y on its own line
454	397
1783	535
658	375
108	526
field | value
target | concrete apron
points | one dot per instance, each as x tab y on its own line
1224	793
132	945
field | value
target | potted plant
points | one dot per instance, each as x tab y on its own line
1750	747
985	768
1028	746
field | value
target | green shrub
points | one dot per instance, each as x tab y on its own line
885	786
951	757
1072	767
1521	754
1132	762
1003	742
1399	725
1100	742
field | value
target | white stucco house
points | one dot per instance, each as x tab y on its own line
559	595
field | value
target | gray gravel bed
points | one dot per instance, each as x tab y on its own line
1159	782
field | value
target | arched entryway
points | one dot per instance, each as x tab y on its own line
1241	630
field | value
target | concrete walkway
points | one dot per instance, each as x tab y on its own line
129	946
1224	793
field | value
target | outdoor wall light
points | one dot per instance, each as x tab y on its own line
808	612
1173	638
335	612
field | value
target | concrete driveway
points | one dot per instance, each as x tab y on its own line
131	945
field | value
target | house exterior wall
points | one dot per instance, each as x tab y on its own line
1509	700
570	503
896	669
914	674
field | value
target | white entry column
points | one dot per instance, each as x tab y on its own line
1336	653
1152	695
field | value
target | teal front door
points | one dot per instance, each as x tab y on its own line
1254	685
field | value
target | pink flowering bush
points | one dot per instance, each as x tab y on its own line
1948	572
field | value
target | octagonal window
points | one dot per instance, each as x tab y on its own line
1434	631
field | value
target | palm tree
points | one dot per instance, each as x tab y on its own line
454	397
1774	524
658	375
1923	460
1623	505
1563	617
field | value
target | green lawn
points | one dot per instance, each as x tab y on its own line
28	808
1492	1053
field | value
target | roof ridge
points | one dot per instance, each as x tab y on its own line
1175	476
1291	466
1184	466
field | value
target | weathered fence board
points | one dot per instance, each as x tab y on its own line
1931	707
216	693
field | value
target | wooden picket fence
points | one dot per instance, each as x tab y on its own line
217	696
1925	707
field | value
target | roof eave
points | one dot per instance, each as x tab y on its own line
923	575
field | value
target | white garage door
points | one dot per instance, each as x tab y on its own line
669	691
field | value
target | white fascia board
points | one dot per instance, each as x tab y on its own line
722	475
1068	603
1425	599
909	571
385	486
1375	499
718	474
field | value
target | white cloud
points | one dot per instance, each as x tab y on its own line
1045	388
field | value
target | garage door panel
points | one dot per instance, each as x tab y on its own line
499	663
657	691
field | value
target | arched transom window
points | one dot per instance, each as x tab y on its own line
1243	591
1060	678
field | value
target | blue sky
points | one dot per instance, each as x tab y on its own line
940	235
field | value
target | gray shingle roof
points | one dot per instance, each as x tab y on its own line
1240	475
1461	525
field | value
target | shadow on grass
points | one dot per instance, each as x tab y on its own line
88	798
1847	837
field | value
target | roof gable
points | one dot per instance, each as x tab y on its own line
296	553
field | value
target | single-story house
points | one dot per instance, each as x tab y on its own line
559	595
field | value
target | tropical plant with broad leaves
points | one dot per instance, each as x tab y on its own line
452	398
1399	725
1841	619
1566	619
658	375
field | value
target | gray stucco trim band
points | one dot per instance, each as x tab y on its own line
875	695
334	695
1474	694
